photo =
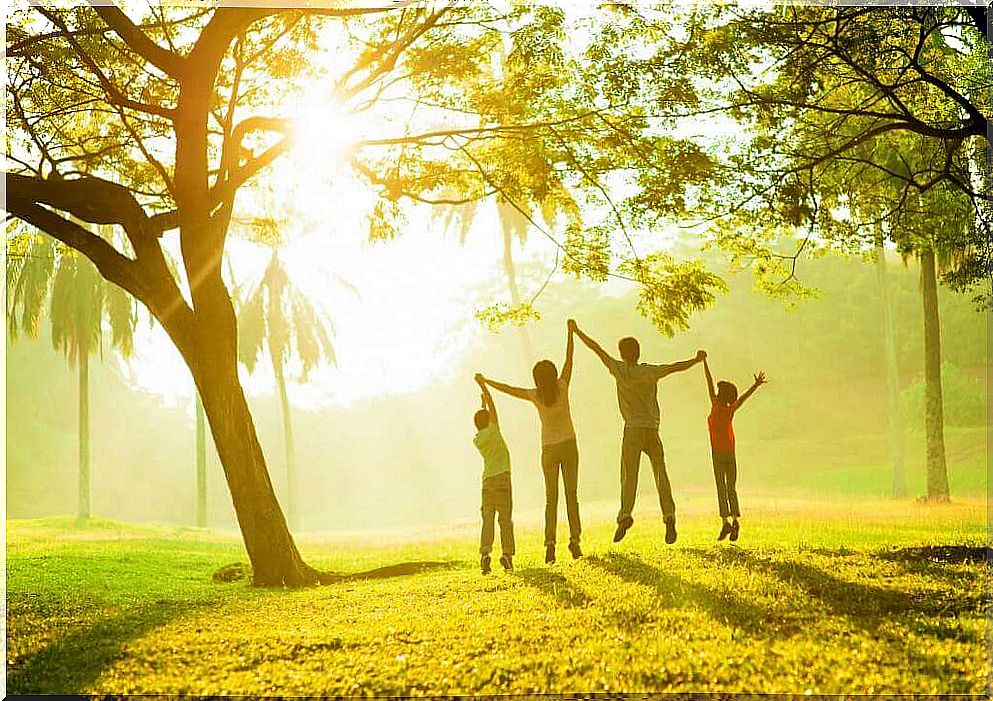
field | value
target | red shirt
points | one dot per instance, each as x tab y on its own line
721	432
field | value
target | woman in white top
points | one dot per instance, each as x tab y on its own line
550	397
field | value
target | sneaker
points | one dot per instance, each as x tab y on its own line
622	528
507	562
725	530
549	554
575	550
734	532
670	531
484	564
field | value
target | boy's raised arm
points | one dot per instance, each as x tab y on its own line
570	347
710	379
488	403
759	380
591	344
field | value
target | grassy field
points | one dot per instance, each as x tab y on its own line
824	597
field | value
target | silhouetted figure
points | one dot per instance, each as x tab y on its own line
559	452
637	396
497	497
723	405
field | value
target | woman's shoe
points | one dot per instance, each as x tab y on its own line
725	531
549	554
575	550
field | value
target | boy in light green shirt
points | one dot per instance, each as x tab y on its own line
497	500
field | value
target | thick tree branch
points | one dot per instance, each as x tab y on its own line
169	62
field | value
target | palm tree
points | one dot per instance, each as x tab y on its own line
80	301
277	314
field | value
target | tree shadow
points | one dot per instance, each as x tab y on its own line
242	571
556	586
401	569
868	606
675	591
933	561
75	661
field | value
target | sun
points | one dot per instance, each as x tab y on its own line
324	131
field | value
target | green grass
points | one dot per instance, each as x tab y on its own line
818	596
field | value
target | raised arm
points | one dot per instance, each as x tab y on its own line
570	347
592	345
682	364
759	381
518	392
710	379
487	398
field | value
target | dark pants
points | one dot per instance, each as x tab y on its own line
637	441
497	501
565	457
726	474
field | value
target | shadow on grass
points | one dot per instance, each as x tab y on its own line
242	571
674	591
401	569
868	606
71	664
555	585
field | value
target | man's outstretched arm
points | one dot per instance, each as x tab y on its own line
487	399
591	344
759	381
682	365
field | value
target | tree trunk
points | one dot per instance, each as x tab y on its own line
271	550
507	227
892	377
201	464
292	511
84	437
937	471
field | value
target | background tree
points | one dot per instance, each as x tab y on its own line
858	121
152	123
80	303
278	316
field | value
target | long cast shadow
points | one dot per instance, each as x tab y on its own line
868	606
72	663
752	619
555	585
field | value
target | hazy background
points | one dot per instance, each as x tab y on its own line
818	427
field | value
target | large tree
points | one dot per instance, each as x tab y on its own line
151	122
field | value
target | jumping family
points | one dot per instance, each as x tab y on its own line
637	398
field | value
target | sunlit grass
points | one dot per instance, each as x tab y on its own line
815	596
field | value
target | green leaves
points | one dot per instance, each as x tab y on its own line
496	316
670	292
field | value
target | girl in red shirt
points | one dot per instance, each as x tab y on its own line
723	404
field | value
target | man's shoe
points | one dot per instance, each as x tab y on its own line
622	527
507	562
484	564
549	554
575	550
725	530
670	531
734	532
